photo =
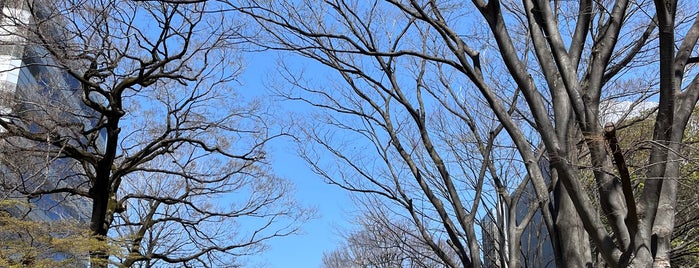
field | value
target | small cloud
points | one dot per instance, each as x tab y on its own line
614	111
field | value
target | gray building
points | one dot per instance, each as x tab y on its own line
535	244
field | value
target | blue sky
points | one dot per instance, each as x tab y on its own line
333	205
319	235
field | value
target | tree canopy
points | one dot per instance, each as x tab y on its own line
132	107
460	102
472	133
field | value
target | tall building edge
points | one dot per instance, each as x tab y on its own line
23	71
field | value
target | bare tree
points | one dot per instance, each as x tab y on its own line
379	241
544	70
396	137
139	103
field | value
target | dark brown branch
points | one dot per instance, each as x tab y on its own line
632	218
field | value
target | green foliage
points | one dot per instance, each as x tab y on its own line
634	139
28	242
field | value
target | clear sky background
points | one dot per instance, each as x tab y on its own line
333	205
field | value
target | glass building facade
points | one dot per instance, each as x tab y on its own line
32	95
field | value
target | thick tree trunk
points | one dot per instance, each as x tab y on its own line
98	226
665	216
100	192
574	248
659	194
